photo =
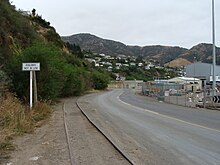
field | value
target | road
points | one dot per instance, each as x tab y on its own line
150	132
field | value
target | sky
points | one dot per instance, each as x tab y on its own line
183	23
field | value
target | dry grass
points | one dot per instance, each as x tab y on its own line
16	119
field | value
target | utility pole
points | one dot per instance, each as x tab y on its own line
213	44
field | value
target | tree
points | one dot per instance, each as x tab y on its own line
100	80
75	49
139	58
33	12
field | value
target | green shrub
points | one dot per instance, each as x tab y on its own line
100	80
50	78
78	81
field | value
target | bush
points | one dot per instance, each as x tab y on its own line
74	84
58	75
100	80
38	19
50	78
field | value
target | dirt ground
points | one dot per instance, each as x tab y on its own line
48	144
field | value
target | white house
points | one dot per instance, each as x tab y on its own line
132	64
118	64
109	68
140	64
149	66
126	65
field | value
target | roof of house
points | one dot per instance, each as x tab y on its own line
183	79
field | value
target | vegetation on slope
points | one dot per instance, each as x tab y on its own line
28	37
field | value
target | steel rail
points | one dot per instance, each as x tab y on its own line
72	161
102	132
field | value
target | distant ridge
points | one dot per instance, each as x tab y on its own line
161	54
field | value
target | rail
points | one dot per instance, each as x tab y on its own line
102	132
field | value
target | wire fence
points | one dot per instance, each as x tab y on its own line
181	94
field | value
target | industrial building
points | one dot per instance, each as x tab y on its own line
202	71
189	83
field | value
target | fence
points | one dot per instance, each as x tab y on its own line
179	94
130	84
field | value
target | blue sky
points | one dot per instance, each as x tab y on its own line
133	22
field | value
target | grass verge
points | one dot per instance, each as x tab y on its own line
16	119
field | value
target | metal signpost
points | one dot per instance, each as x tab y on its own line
31	67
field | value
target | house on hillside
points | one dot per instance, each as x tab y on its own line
109	68
118	64
132	64
108	57
91	60
150	65
121	57
140	64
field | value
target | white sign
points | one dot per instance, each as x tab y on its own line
217	78
167	93
30	66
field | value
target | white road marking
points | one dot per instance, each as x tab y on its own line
35	158
165	116
137	107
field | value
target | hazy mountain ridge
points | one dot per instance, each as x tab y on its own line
163	54
109	47
98	45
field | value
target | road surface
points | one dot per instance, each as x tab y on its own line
150	132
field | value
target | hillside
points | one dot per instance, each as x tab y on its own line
201	52
170	56
95	44
27	37
178	63
14	35
19	29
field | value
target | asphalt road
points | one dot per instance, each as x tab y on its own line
158	133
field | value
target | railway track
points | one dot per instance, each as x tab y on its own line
68	134
68	137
